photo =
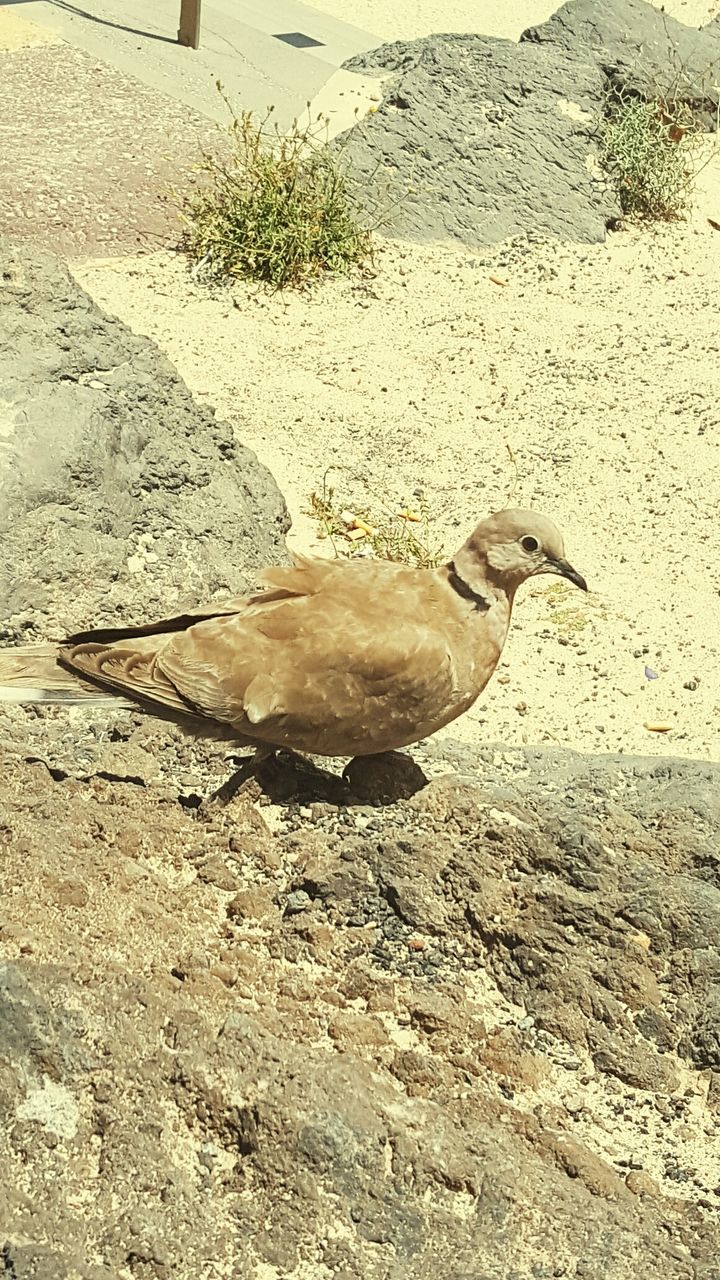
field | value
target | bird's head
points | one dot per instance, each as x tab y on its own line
509	547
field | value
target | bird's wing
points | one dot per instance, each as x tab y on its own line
125	659
314	668
327	654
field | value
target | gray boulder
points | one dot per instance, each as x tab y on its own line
119	495
640	49
478	140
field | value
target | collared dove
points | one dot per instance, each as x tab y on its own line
331	657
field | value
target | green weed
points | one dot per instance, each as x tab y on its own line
273	207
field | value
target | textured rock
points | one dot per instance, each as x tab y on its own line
480	139
118	493
640	49
481	1050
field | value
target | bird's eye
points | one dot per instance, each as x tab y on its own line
529	544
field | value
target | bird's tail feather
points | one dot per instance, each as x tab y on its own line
32	674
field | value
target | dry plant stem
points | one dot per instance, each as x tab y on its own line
393	537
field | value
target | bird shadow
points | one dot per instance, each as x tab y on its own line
286	777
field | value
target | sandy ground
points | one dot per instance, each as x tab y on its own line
596	368
506	18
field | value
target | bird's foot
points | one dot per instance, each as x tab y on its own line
238	782
384	778
280	775
287	775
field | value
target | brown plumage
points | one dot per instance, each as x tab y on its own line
337	658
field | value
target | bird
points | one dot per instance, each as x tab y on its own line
340	658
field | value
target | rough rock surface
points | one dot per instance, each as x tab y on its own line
117	491
472	1033
478	139
640	49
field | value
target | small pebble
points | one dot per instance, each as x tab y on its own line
297	901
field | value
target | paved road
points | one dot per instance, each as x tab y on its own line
100	115
239	46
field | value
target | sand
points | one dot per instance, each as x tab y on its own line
586	384
507	18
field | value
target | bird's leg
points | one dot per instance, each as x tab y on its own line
286	758
281	774
235	783
288	774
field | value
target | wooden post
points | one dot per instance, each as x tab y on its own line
189	29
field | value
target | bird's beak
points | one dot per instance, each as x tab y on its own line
565	570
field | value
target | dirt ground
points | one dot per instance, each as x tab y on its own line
471	1034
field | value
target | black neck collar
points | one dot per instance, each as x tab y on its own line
465	590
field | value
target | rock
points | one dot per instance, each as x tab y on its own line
641	1184
479	140
356	1032
216	871
251	904
208	1083
577	1162
504	1054
713	1096
297	901
640	49
703	1045
120	497
71	893
34	1262
618	1055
